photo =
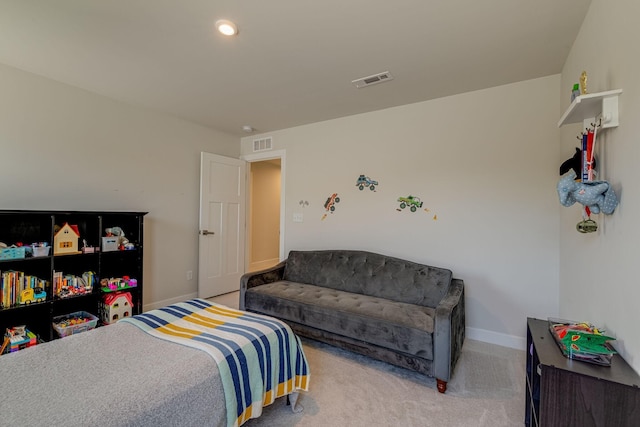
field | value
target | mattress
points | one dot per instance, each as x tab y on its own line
116	375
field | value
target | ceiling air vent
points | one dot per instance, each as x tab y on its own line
373	80
262	144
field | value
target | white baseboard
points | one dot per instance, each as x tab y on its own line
163	303
512	341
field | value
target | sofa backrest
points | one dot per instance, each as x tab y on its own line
371	274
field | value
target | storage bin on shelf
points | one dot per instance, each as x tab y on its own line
13	252
74	323
110	243
41	251
21	252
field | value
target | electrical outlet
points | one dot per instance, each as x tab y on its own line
189	275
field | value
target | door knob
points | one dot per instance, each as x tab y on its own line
206	232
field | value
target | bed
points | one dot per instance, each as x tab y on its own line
149	370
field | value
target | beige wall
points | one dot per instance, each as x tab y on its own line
265	214
484	162
65	148
597	271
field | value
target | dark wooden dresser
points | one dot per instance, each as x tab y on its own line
570	393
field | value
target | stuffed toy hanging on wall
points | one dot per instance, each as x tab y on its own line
597	195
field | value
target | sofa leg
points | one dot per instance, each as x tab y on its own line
442	385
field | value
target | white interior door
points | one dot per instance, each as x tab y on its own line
222	225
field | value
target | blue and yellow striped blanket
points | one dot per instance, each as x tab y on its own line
259	357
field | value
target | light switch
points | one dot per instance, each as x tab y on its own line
298	217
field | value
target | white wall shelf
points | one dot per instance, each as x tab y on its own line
587	108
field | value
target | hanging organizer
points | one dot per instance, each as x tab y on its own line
596	111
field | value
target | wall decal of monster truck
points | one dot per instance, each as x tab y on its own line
365	181
331	201
413	202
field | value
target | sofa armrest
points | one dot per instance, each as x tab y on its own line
449	331
257	278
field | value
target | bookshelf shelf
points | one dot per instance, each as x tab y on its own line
587	108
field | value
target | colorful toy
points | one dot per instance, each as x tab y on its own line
65	241
583	83
575	92
118	283
30	295
74	323
598	196
582	341
70	285
19	337
116	306
86	248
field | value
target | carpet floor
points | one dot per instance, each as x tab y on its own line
347	389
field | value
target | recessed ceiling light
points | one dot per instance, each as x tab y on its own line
226	27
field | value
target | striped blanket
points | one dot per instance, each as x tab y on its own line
259	357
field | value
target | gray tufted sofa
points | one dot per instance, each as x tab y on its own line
397	311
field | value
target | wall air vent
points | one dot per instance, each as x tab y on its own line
262	144
372	80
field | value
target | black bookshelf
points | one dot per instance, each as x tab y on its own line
30	227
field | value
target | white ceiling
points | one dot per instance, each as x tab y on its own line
293	61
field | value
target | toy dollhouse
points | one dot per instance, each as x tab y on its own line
116	306
65	241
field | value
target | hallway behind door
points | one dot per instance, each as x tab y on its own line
263	228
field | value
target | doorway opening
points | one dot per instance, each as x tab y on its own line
265	210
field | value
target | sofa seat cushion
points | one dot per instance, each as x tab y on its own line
407	328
